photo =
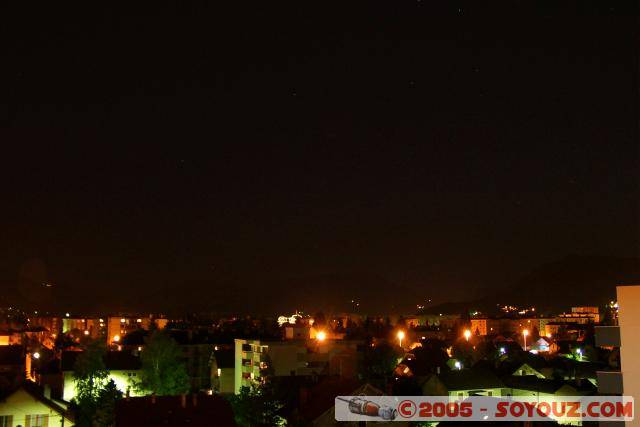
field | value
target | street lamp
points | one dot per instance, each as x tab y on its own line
458	365
321	336
400	337
525	332
467	334
579	353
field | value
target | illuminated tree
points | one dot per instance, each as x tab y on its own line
163	369
89	371
256	406
94	404
106	405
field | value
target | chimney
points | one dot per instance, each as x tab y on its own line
194	399
128	394
183	400
153	398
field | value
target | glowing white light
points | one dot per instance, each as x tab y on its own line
400	336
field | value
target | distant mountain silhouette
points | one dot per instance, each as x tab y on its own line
572	281
575	280
331	293
371	294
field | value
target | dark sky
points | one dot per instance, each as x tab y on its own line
201	151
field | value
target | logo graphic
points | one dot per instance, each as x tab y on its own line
560	409
407	408
360	406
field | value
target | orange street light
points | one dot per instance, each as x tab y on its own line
400	337
525	332
321	336
467	334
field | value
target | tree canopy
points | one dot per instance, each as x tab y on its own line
163	370
256	406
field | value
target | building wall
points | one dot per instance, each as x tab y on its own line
113	329
478	326
295	357
248	355
434	387
463	394
629	322
226	380
21	404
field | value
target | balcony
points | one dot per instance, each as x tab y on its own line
609	382
608	336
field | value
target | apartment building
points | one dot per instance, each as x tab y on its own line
626	380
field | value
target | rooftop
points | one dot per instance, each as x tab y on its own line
192	410
469	379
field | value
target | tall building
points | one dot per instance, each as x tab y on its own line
582	315
249	355
256	359
626	381
119	326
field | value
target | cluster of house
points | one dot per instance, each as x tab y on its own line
319	361
36	368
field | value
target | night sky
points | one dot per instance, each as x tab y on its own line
178	153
